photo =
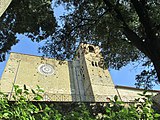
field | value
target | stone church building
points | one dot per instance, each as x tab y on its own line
84	79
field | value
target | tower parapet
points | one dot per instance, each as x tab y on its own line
96	80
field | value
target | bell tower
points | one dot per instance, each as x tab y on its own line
97	82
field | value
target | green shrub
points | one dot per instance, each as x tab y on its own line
141	109
23	108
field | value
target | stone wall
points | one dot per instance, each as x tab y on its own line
129	94
51	75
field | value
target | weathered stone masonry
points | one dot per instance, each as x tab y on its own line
83	79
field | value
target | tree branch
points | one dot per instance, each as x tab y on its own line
136	40
144	18
130	34
116	10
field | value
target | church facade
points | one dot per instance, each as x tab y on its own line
83	79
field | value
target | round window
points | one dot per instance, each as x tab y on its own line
46	69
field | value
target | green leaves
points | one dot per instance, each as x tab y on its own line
134	111
156	115
38	97
23	109
32	18
115	97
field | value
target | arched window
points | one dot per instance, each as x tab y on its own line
96	64
91	49
92	63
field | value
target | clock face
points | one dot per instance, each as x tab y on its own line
46	69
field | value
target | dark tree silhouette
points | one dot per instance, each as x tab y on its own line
33	18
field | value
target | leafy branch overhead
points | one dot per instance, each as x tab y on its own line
127	30
33	18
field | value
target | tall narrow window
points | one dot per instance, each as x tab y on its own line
92	63
96	64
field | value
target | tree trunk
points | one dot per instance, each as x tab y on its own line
155	58
151	44
157	68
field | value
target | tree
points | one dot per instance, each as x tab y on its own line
33	18
127	30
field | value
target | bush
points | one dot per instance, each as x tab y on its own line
141	109
22	108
